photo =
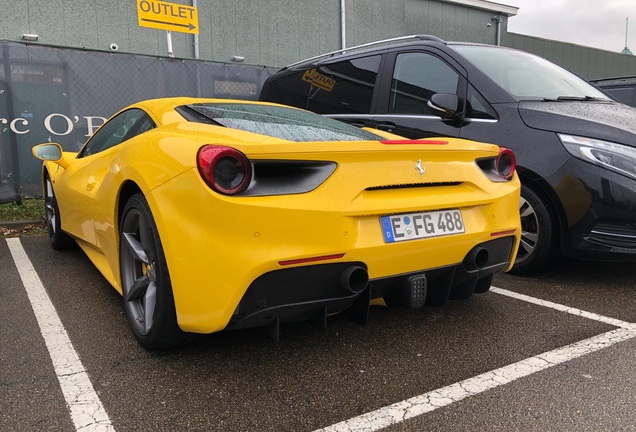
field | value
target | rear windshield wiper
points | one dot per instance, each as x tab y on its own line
575	98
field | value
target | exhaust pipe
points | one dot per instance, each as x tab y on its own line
477	259
354	279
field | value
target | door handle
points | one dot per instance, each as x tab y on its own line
358	124
91	185
386	126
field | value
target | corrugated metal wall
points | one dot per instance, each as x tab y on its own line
265	32
279	32
587	62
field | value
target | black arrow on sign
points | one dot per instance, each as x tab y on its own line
189	26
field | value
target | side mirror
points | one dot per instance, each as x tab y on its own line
50	152
444	105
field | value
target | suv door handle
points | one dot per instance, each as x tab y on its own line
358	123
386	126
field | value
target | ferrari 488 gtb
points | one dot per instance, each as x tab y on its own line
218	214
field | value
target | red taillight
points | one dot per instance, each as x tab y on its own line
506	163
224	169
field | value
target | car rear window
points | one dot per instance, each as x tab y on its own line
280	122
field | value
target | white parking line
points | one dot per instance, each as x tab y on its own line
86	410
88	414
427	402
562	308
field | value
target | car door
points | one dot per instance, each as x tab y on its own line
411	78
84	207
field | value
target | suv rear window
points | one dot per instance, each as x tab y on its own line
343	87
275	121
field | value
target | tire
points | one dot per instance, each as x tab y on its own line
59	239
145	280
539	245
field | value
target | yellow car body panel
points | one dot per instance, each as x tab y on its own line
247	243
217	245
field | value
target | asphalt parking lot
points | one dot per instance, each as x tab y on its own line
555	351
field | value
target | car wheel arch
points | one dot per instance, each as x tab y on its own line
539	210
540	186
127	190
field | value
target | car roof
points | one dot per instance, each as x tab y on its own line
373	47
367	47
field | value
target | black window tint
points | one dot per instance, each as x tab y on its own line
289	89
344	87
416	77
477	107
113	132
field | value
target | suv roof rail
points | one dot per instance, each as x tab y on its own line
367	45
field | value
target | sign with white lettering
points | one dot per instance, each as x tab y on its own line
168	16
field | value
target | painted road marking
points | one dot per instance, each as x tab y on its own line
88	414
427	402
562	308
87	411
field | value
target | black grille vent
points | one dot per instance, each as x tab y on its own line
413	185
614	234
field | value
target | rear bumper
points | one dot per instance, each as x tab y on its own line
316	291
224	247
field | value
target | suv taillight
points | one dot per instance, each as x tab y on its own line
225	169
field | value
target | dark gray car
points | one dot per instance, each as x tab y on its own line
575	147
623	89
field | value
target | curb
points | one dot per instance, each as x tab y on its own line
19	224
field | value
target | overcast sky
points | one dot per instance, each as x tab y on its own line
595	23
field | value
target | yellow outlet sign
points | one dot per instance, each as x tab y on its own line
168	16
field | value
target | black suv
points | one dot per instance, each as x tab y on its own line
623	89
575	147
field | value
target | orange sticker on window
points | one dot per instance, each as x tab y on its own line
319	80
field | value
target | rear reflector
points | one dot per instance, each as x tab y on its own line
312	259
502	233
429	142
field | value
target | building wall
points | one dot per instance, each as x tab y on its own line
265	32
87	24
368	21
279	32
590	63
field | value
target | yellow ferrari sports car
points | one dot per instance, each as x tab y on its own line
209	214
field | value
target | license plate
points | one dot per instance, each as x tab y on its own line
413	226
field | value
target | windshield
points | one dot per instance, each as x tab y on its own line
526	76
280	122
